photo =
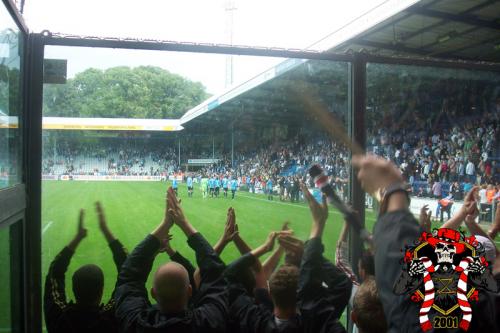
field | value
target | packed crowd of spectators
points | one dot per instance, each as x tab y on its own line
468	151
142	159
456	155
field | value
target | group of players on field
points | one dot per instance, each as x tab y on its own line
210	186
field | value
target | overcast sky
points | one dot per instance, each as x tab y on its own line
278	23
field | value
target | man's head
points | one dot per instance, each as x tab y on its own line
171	288
283	287
367	312
88	283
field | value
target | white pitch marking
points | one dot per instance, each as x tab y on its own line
281	203
272	201
47	227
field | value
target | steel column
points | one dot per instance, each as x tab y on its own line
33	171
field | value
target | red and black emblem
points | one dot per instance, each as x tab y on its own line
444	271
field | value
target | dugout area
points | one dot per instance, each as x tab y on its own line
401	44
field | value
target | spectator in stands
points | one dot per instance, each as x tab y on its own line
269	189
470	170
171	287
437	191
86	313
484	208
490	193
455	191
444	206
468	186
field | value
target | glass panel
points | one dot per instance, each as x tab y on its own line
440	126
119	123
10	100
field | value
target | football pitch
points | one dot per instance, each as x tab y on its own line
134	209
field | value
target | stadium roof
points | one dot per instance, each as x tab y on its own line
454	29
449	29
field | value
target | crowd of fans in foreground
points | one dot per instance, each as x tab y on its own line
307	293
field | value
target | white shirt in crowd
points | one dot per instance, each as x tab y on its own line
426	169
470	168
482	196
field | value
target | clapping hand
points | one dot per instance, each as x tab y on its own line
102	222
81	231
294	248
231	228
174	209
319	212
166	247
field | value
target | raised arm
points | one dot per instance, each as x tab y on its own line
395	228
341	257
269	266
240	243
130	295
250	317
474	228
318	313
230	231
339	286
118	250
238	267
211	305
294	249
243	247
309	288
55	293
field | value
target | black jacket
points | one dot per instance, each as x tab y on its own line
61	316
391	233
250	313
136	314
316	312
338	286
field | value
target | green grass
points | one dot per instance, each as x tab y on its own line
134	209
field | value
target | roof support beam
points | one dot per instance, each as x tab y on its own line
460	49
463	33
394	21
466	19
392	47
437	24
